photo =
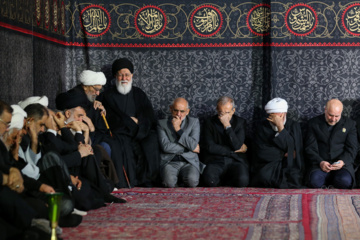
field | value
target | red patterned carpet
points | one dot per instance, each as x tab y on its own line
225	213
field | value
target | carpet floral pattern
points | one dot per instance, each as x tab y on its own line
224	213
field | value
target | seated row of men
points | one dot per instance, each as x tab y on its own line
133	138
95	141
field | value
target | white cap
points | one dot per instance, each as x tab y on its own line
276	105
18	116
89	78
36	99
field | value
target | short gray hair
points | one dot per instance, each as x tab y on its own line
224	100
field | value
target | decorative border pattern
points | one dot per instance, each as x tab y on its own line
241	23
258	19
301	19
97	20
206	21
63	18
38	12
350	19
55	15
150	21
47	14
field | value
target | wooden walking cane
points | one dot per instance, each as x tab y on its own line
107	126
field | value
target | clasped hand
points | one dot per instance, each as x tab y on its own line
327	167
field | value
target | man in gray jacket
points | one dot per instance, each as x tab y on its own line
179	137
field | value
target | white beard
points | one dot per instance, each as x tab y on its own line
124	88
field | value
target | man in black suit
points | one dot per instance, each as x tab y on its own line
224	147
331	147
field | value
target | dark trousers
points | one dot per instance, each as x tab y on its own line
338	179
15	214
226	171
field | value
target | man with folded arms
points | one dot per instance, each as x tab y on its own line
179	137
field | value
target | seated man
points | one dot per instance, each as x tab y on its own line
134	149
278	149
224	136
86	93
73	146
331	147
18	212
46	167
179	140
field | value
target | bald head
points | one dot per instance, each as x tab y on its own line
333	110
181	101
180	108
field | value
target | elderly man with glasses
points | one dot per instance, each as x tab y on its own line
224	147
179	137
91	85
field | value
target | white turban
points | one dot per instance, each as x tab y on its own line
32	100
89	78
18	115
276	105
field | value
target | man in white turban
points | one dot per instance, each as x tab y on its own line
13	136
278	149
32	100
84	95
92	83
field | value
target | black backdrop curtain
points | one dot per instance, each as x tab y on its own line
306	53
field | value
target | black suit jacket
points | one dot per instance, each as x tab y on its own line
339	144
219	143
66	145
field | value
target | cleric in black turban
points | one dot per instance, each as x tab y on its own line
70	99
120	64
133	123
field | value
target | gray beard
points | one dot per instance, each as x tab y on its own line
123	89
91	98
69	120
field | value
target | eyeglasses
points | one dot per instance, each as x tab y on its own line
97	89
176	111
6	124
126	75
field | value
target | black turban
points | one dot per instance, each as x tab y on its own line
120	64
71	99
